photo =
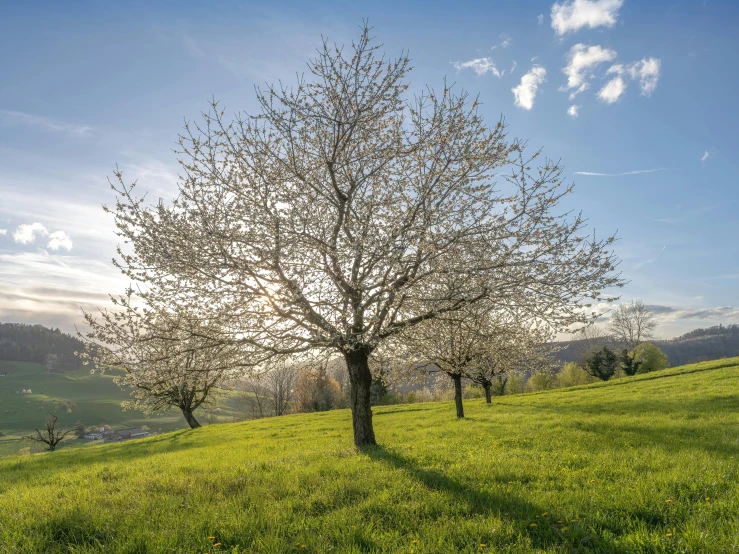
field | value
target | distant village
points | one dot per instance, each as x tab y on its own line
109	435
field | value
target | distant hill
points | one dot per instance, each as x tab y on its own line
39	344
696	346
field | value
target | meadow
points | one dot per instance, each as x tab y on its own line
647	464
96	401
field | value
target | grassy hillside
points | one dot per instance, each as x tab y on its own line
639	465
97	400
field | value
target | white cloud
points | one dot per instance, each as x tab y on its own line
573	111
525	93
513	67
505	40
581	60
26	233
3	232
59	239
10	117
705	156
540	19
576	14
613	90
647	71
636	172
481	66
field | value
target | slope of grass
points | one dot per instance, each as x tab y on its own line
97	401
639	465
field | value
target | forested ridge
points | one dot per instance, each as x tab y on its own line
36	343
695	346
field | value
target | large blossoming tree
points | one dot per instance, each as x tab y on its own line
345	212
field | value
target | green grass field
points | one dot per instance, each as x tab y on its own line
638	465
96	397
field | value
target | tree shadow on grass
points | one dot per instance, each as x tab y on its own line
501	504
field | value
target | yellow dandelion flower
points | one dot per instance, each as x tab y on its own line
668	534
216	545
483	545
668	501
414	542
545	514
532	525
564	529
708	498
211	538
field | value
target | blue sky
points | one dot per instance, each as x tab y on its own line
652	149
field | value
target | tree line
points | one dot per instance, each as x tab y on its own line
41	345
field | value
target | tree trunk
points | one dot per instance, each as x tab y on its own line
191	421
360	378
488	397
458	394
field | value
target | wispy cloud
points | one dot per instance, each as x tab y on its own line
574	15
481	66
39	287
573	111
540	19
3	232
525	93
707	155
10	117
636	172
641	264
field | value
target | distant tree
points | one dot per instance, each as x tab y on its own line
166	359
632	323
316	391
335	213
79	429
572	375
281	379
541	380
379	389
629	364
602	364
51	435
650	358
589	340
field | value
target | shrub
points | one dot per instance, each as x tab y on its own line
573	375
541	380
650	357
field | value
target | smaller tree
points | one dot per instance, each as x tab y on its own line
650	358
632	323
602	364
79	429
629	364
589	340
316	391
51	435
168	359
572	375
